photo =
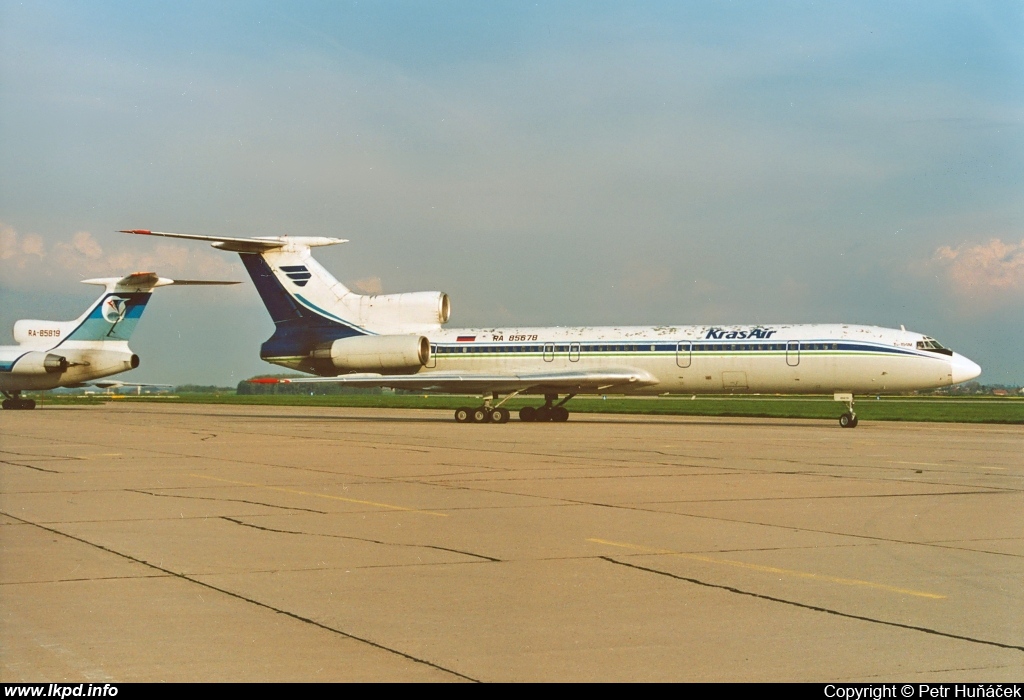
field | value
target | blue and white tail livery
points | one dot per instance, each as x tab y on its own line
399	341
52	354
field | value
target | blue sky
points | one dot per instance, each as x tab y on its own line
549	163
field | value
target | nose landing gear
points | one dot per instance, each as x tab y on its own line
848	419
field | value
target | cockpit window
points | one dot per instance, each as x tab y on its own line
933	345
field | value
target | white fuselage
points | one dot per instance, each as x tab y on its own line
713	359
86	360
52	354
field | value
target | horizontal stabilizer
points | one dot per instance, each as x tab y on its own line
201	282
146	281
260	244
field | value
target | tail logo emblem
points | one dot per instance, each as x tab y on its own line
298	274
114	309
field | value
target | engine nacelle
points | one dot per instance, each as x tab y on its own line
31	331
415	308
40	363
376	353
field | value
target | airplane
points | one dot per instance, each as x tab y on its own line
52	354
110	384
398	341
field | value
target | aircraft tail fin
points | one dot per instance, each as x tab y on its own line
112	317
308	305
285	276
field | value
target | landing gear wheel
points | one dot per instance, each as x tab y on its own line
8	404
500	415
854	422
481	415
543	414
848	420
463	415
559	414
527	414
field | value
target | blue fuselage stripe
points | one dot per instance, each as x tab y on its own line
698	348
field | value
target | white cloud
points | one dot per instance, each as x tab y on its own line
26	262
991	270
18	250
368	285
78	251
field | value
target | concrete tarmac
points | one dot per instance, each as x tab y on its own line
149	542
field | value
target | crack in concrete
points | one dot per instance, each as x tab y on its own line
584	460
798	528
986	667
847	496
79	580
981	539
29	466
229	500
562	501
35	456
360	539
785	549
571	477
724	471
816	608
252	601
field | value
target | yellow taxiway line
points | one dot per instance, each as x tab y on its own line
770	569
321	495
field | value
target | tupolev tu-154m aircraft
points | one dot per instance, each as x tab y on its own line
398	341
52	354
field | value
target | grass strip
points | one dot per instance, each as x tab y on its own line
944	409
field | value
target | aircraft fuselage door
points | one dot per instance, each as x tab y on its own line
683	351
793	353
549	352
574	352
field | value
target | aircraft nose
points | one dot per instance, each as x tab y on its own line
962	369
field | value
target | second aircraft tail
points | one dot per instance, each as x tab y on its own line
111	318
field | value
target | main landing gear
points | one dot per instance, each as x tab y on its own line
14	402
848	419
482	414
550	411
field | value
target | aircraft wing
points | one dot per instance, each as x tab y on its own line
478	382
114	384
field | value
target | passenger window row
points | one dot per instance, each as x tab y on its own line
695	347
